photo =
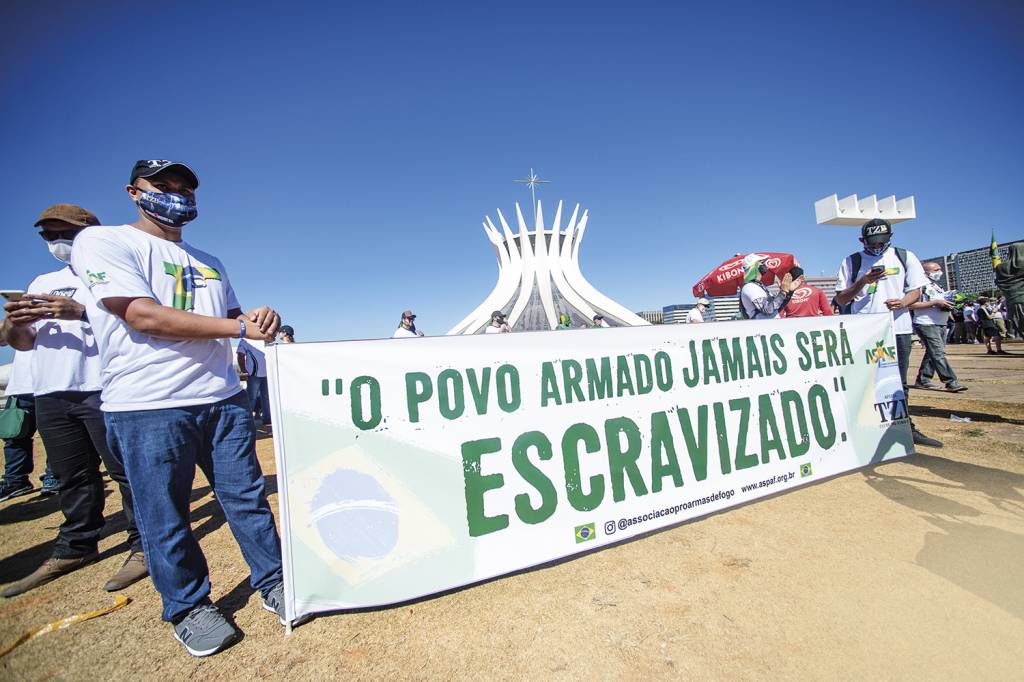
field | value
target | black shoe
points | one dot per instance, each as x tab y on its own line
51	486
11	490
921	439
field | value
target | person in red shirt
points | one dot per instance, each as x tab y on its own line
807	301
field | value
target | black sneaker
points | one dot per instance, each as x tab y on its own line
11	490
921	439
205	631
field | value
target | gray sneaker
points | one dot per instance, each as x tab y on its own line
274	602
205	631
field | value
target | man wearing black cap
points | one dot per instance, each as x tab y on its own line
164	312
883	278
65	369
285	334
497	325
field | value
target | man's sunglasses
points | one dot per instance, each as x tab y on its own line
410	317
54	235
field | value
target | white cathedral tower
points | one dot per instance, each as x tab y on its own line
539	278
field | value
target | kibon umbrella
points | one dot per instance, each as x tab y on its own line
727	278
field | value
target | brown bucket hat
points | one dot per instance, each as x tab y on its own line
68	213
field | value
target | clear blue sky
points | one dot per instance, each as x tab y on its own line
348	152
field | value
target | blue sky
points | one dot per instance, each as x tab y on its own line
348	152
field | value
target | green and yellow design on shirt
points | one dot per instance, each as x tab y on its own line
188	278
889	272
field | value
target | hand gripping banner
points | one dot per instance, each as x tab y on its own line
408	467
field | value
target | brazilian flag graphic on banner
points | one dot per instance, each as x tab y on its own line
585	532
805	470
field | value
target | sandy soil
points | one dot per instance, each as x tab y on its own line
903	570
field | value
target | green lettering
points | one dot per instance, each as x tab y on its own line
779	366
572	375
698	447
599	383
692	376
820	408
644	374
531	474
710	363
574	435
753	358
744	460
479	388
769	428
791	400
356	391
623	462
661	442
805	355
418	389
507	380
623	379
723	438
451	401
663	370
732	360
476	485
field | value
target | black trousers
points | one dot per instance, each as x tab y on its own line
73	432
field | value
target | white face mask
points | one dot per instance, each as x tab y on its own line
60	249
936	275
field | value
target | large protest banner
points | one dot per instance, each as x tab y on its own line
411	466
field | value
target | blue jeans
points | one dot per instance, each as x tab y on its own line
18	451
161	450
259	397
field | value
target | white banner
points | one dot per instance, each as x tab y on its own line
411	466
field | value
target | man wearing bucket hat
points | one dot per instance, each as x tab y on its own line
65	369
164	312
882	278
756	302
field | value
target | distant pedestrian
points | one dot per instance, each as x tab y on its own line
807	300
882	278
498	324
564	321
407	327
971	322
756	303
252	365
599	321
18	462
696	314
285	334
987	328
931	313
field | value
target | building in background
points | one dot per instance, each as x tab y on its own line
676	313
823	282
970	272
653	316
724	308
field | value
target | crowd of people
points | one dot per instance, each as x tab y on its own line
125	361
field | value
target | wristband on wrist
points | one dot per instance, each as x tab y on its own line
241	329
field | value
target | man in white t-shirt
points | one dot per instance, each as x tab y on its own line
696	314
407	327
51	321
163	312
252	362
883	278
931	313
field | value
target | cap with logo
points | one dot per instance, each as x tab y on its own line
145	168
876	231
68	213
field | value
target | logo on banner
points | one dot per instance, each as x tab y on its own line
585	532
881	355
805	470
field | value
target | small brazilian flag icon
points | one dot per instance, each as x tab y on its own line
585	532
805	470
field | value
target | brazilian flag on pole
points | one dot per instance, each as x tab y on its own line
995	251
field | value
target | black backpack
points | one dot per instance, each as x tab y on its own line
857	259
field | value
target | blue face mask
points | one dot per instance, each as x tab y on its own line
876	250
168	208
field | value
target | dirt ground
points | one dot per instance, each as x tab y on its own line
908	570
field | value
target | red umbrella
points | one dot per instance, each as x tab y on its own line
727	278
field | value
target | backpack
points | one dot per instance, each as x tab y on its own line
857	259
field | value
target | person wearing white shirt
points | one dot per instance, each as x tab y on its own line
252	362
163	312
931	313
756	303
407	327
51	321
599	322
696	314
883	278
